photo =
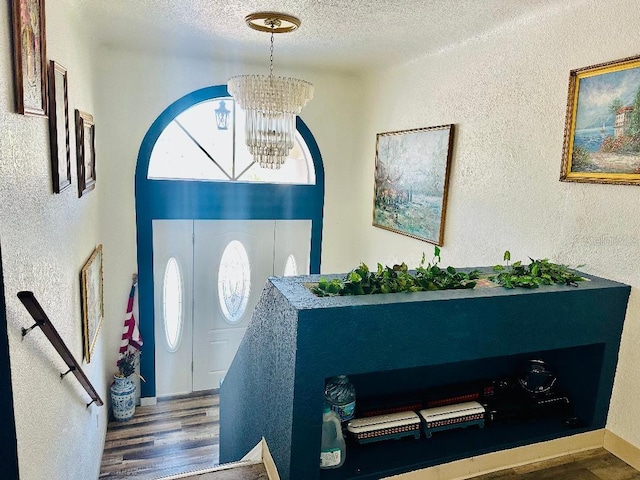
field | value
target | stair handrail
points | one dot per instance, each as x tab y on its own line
28	299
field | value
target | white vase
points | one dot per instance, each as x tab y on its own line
123	398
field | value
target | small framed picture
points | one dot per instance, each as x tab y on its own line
92	300
29	57
59	127
85	152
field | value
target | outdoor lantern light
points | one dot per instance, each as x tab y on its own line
222	116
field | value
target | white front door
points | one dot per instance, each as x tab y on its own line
233	260
292	247
172	291
229	263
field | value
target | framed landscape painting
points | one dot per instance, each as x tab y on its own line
602	127
411	182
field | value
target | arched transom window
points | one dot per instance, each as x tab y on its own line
198	145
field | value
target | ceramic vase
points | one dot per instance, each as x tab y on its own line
123	398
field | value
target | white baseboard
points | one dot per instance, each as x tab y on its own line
622	449
491	462
144	401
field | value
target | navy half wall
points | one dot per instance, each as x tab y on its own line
395	343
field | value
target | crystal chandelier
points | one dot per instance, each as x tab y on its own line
271	103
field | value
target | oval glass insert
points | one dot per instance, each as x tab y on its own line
172	304
234	281
290	267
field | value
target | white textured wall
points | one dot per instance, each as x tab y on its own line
506	94
135	87
45	240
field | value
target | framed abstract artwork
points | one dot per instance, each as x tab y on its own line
59	127
85	152
29	57
411	182
92	300
602	126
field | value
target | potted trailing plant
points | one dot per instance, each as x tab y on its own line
123	389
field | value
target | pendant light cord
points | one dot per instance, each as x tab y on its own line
271	57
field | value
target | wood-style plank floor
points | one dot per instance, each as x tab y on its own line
182	434
177	435
595	464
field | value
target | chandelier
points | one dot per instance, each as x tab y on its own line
271	103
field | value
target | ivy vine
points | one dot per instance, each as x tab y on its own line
538	272
430	276
362	281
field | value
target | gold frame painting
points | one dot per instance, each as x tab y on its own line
412	182
602	126
29	57
91	284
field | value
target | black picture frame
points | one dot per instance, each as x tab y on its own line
85	152
59	127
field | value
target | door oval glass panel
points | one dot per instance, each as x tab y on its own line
172	292
290	267
234	281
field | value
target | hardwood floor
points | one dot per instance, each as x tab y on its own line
176	435
595	464
182	434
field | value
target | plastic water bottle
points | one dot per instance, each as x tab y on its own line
333	450
340	394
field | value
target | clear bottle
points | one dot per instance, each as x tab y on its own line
340	394
333	450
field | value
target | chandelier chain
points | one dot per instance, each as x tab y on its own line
271	57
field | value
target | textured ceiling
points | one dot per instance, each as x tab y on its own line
347	35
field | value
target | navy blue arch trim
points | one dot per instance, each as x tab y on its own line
181	199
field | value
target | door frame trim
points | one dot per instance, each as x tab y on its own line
180	199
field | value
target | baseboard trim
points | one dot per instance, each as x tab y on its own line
492	462
145	401
622	449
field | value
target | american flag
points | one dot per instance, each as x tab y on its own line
130	334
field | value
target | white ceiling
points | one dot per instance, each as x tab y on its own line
337	34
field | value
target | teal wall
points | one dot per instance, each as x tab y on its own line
398	343
8	445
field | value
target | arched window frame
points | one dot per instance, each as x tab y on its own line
186	199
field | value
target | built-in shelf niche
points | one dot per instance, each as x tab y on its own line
578	372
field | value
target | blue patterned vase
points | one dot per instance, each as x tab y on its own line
123	398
